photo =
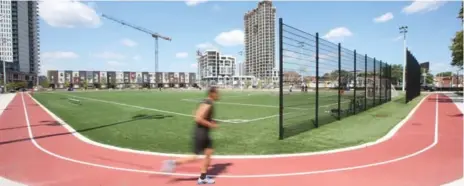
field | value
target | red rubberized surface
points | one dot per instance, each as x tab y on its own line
410	157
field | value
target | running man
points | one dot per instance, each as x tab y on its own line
201	138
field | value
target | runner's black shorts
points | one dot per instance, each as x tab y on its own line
201	140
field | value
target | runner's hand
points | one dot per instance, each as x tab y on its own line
213	124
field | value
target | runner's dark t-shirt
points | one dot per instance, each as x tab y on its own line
209	114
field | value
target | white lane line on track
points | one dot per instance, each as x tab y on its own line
31	136
389	135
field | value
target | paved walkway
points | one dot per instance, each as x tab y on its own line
459	101
5	99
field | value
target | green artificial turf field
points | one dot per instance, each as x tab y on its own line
162	121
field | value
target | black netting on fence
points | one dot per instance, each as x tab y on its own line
413	77
321	82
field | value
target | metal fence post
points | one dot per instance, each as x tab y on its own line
339	78
373	99
281	84
355	79
365	82
317	81
385	77
380	83
390	83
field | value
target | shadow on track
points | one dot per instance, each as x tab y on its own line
215	170
43	123
124	162
54	123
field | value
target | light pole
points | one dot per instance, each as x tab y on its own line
240	69
404	30
4	68
3	61
302	70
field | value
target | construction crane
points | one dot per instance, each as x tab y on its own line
153	34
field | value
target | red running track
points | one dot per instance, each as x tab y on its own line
423	152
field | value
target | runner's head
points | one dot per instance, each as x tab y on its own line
213	93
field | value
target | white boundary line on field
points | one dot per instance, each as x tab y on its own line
34	142
139	107
389	135
176	113
245	104
259	105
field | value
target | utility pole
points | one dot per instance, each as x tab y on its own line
404	30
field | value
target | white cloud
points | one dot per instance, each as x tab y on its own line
423	6
68	14
206	46
230	38
384	18
110	56
194	2
398	38
136	58
128	42
338	34
58	55
115	63
181	55
194	65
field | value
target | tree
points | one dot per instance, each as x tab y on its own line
44	83
247	83
428	76
84	84
444	74
396	74
456	45
456	50
103	80
429	79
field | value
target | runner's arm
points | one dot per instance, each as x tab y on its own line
200	115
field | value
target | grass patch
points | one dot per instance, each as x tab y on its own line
153	129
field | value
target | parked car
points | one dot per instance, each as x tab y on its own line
429	88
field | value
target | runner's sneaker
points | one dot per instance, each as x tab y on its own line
168	166
207	180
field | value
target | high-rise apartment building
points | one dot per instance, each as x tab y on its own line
19	39
240	71
260	40
213	66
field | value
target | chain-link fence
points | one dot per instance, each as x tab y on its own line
321	82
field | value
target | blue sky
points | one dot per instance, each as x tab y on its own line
74	37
